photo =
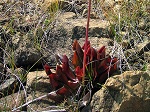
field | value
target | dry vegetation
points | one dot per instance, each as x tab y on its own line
129	20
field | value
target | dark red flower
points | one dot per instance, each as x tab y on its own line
66	80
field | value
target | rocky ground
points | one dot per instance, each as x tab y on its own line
28	38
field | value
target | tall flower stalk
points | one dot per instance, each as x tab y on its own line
86	41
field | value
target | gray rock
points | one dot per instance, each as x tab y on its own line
97	43
27	57
98	32
68	15
24	52
79	32
97	28
57	41
128	92
7	86
10	81
38	85
14	100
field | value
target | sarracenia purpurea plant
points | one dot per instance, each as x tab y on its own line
81	76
